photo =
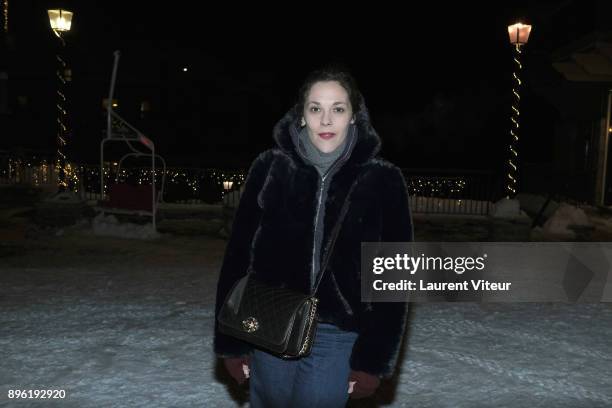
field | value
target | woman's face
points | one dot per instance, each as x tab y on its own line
328	113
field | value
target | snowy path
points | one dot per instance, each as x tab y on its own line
133	329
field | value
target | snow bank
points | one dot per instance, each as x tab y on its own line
533	203
566	216
108	225
508	208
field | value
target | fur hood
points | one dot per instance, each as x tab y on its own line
368	141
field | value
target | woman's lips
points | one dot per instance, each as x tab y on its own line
326	136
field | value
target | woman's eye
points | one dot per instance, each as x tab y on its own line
314	109
340	110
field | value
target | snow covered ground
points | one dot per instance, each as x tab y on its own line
128	323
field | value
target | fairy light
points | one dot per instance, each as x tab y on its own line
193	179
34	176
18	171
440	186
519	35
44	169
62	133
71	177
5	13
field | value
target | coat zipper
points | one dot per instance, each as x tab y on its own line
314	238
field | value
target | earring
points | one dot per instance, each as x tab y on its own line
302	122
352	121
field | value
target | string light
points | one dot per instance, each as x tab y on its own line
5	13
444	187
191	183
514	118
62	128
44	169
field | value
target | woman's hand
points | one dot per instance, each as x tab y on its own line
238	368
362	384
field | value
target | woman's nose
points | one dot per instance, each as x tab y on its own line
326	119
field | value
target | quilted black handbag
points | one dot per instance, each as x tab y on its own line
280	320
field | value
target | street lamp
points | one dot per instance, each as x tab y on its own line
519	35
61	21
226	197
227	185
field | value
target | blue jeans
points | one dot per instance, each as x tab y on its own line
317	380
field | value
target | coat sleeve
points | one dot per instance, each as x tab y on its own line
237	253
382	324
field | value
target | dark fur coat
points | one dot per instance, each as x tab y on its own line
273	235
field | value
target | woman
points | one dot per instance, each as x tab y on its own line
287	217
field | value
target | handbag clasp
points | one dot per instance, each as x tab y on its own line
250	324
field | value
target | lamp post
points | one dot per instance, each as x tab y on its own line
61	21
227	187
519	35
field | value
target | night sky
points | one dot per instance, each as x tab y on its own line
436	77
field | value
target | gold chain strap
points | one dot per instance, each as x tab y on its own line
311	318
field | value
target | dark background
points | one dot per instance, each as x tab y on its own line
436	76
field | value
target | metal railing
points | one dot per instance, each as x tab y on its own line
454	191
432	191
183	185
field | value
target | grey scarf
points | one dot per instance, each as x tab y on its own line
321	160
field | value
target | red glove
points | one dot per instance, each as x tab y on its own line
365	384
235	367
